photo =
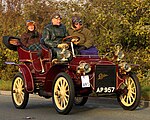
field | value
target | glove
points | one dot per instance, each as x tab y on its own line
62	45
76	43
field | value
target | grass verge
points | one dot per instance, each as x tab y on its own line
5	85
145	91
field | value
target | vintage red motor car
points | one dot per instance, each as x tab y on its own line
70	79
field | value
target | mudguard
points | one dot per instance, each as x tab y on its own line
29	85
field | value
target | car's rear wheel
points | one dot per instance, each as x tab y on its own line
19	94
80	101
130	99
63	93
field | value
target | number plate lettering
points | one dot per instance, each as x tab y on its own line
105	89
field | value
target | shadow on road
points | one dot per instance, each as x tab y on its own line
92	103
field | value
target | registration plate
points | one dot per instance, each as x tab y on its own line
85	81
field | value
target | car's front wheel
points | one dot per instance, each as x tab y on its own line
130	99
63	93
19	94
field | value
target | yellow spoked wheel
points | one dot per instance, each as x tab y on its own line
131	98
19	95
63	93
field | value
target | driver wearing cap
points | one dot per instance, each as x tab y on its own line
54	32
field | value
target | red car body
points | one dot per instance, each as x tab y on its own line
40	71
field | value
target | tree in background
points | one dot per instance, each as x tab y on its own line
111	21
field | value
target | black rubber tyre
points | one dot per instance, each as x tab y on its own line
63	93
131	99
7	44
20	96
80	101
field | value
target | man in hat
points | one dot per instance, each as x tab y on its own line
86	42
31	38
54	32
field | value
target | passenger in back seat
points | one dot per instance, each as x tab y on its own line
31	38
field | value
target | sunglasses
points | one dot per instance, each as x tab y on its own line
77	23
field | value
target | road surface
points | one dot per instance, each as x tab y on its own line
95	109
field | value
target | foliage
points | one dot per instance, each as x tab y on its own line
111	21
5	85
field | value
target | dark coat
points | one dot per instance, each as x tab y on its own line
85	35
31	39
53	35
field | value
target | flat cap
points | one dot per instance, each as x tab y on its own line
56	15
